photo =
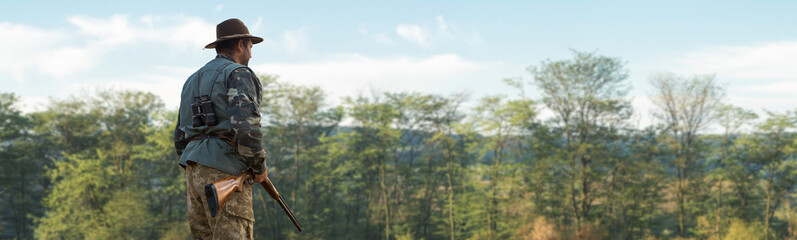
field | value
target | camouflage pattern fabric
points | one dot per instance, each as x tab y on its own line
234	221
239	100
244	94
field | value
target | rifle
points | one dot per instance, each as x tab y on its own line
219	192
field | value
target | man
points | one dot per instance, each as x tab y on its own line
218	133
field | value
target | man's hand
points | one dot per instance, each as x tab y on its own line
259	178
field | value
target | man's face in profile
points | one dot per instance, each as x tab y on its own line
247	52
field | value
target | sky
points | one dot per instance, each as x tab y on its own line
349	48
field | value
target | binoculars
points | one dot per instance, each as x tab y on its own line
203	114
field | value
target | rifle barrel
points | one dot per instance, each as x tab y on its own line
269	186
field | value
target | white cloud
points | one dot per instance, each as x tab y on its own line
441	23
764	61
218	8
115	30
295	40
643	112
474	39
780	87
256	27
58	54
760	76
147	20
413	33
166	86
383	39
759	104
68	60
22	47
184	31
350	74
166	82
188	33
30	104
340	75
444	33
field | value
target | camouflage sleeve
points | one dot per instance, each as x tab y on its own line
179	138
244	96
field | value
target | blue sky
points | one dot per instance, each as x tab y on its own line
51	49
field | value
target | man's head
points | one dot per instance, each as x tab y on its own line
233	39
239	49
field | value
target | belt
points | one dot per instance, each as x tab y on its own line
226	139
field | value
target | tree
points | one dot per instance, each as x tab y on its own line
774	149
84	203
296	108
687	106
96	190
373	120
296	118
502	122
414	117
20	184
162	176
444	117
731	119
587	97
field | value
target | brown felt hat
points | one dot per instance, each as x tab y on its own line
231	29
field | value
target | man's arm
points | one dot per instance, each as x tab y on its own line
243	95
179	138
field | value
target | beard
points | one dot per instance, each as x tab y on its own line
245	58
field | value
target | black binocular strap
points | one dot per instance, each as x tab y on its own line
213	84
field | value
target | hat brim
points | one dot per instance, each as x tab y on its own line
255	39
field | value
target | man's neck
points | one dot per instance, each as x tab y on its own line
229	56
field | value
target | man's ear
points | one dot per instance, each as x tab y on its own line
241	45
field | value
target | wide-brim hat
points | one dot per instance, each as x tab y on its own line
231	29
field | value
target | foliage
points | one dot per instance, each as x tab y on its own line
408	165
739	230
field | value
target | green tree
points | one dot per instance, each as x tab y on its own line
374	120
83	202
774	149
502	122
21	185
97	189
162	176
587	97
634	189
296	118
741	230
731	119
294	107
444	118
411	121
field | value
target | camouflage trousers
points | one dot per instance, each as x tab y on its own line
234	221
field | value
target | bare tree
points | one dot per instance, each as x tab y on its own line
687	106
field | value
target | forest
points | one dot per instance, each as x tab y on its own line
567	164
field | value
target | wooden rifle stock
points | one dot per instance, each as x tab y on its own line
219	192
